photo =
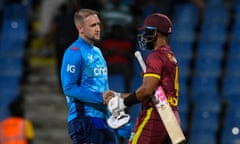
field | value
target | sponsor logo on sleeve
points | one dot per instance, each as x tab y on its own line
71	68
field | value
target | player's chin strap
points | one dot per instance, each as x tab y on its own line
118	116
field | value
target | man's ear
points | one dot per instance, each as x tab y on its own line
80	28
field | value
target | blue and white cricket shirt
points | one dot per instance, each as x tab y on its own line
84	77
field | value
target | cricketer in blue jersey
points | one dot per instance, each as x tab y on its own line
84	79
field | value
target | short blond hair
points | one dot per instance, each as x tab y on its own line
81	14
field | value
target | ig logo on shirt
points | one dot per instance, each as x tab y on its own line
71	68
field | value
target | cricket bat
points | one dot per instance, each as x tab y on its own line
164	109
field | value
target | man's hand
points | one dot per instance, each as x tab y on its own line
107	96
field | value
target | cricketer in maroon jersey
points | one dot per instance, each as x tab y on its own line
149	129
161	70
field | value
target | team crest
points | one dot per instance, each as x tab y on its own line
90	57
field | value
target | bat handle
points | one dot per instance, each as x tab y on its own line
139	57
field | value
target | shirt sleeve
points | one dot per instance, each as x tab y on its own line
71	77
154	65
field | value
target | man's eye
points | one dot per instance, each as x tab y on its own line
96	24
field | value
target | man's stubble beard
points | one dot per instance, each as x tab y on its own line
93	38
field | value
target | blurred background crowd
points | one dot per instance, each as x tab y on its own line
205	39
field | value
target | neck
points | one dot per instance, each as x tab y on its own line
160	42
88	40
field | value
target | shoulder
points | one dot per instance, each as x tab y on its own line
72	51
72	55
77	45
75	48
156	55
96	49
